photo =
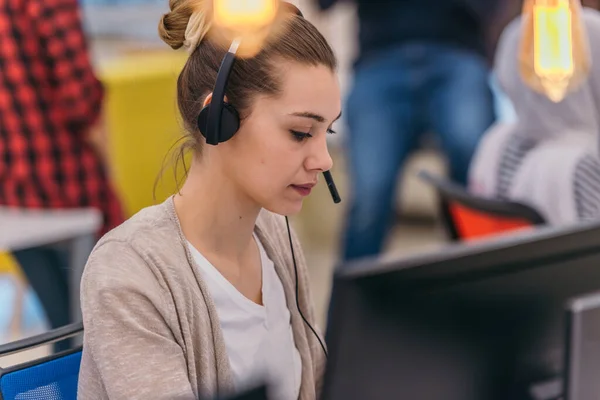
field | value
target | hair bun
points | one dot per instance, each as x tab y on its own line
185	25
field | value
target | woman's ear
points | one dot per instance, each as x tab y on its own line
207	100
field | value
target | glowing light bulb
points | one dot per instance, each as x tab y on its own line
250	21
553	46
244	15
554	57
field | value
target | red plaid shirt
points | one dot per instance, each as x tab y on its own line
49	99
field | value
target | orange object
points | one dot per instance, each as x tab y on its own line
472	225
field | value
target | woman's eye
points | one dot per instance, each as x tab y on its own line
300	136
331	131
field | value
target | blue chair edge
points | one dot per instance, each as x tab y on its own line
42	339
38	361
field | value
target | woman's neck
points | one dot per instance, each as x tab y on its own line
214	215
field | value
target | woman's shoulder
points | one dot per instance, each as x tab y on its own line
148	240
148	223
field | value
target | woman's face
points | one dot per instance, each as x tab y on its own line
280	150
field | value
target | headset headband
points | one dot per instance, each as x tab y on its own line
213	124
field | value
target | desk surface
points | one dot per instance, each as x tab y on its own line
21	229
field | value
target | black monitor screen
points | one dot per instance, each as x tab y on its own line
468	323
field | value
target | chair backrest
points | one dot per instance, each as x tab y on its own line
50	378
468	217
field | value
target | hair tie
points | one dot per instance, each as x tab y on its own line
195	31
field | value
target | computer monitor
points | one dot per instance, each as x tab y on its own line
583	348
469	322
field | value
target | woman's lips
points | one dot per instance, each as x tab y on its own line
304	190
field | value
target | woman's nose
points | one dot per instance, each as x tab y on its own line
319	159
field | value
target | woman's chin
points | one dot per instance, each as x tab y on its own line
285	207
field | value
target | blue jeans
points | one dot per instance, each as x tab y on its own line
46	271
397	96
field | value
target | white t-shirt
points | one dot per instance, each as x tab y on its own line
259	339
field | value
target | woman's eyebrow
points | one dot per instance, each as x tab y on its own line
311	115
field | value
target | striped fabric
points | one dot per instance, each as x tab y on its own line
515	150
586	186
586	179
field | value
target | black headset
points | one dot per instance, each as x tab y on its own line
219	121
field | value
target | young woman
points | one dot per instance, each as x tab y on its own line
197	297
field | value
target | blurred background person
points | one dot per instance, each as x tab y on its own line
50	101
421	67
548	158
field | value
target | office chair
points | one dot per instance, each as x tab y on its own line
50	378
468	217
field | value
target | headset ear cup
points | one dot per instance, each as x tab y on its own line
230	122
203	121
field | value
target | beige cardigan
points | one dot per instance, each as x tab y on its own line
151	328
